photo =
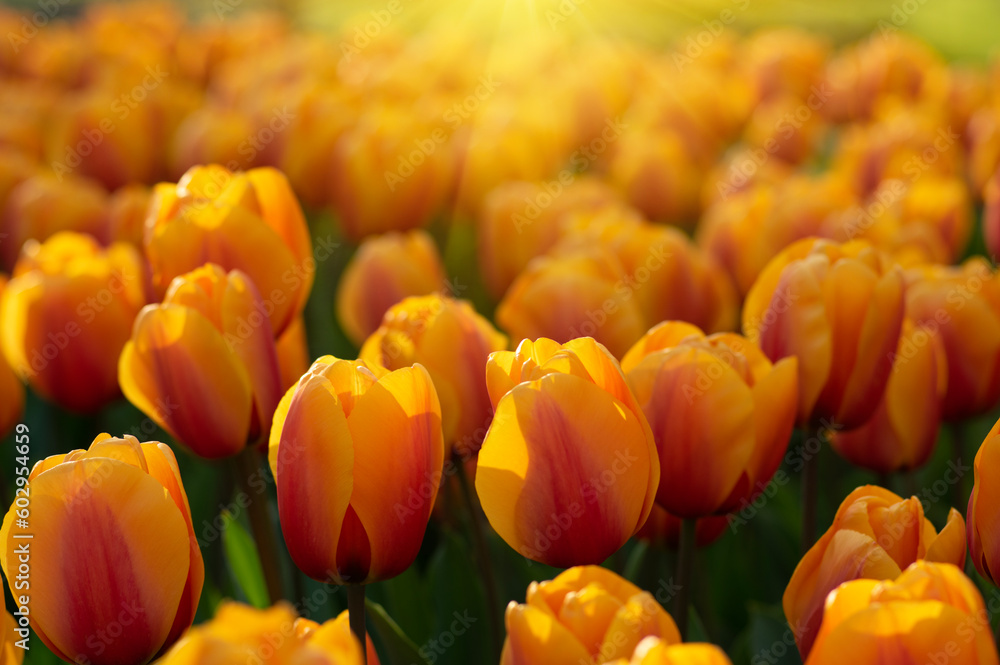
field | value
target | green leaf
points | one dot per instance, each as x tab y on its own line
397	648
241	552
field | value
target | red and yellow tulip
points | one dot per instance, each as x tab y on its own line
983	515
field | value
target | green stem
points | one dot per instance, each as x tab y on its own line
483	556
356	616
809	494
685	563
246	465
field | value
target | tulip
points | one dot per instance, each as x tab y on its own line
384	175
453	343
212	135
839	308
961	306
349	515
654	651
573	295
126	214
903	431
242	634
585	615
982	513
664	529
931	613
135	572
385	270
720	412
11	388
203	365
66	313
10	653
785	59
875	535
293	353
568	470
44	204
991	215
531	213
234	219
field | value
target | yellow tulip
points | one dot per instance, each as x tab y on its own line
585	615
568	471
203	363
115	569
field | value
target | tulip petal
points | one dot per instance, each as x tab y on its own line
534	636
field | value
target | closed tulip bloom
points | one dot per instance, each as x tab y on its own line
573	295
10	653
664	529
348	515
961	305
931	613
983	514
568	471
720	411
904	429
241	634
839	309
121	509
203	364
234	220
385	270
44	204
11	388
654	651
875	535
453	343
66	314
585	615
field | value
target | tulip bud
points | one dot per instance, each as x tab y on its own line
983	515
434	331
385	270
904	429
839	308
333	435
44	204
11	388
875	535
568	471
960	305
720	412
66	314
133	582
242	634
585	615
931	613
234	219
203	364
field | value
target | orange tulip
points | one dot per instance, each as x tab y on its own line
126	214
10	653
654	651
875	535
532	214
240	634
568	471
585	615
904	429
931	613
234	219
720	412
573	295
664	529
11	388
42	205
66	314
839	308
385	270
132	583
961	306
203	364
356	449
983	515
453	342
